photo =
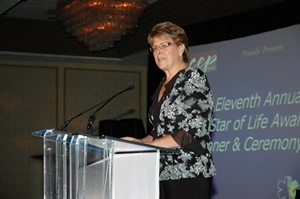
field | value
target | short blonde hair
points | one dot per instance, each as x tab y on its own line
173	31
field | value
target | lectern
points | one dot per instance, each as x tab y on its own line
79	166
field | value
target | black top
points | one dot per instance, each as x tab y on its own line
184	111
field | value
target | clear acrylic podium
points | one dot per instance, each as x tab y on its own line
78	166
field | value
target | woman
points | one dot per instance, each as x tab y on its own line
180	114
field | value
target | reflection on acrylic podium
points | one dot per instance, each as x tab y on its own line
78	166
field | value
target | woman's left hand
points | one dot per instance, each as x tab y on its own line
132	139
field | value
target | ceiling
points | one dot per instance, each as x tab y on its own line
34	9
182	12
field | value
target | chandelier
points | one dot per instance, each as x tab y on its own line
99	23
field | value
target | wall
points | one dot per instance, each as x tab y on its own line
42	91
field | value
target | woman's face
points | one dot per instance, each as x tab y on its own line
167	53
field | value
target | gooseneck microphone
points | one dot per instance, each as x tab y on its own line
92	118
64	126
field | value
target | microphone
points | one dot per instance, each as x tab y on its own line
92	118
64	126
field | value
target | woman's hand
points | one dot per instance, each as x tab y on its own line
132	139
165	142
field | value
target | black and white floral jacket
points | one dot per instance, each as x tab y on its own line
185	111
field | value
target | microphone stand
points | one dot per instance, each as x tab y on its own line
93	117
64	126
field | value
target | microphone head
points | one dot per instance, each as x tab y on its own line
131	87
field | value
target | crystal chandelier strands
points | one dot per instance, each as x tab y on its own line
99	24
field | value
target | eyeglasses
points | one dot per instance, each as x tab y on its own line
160	46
